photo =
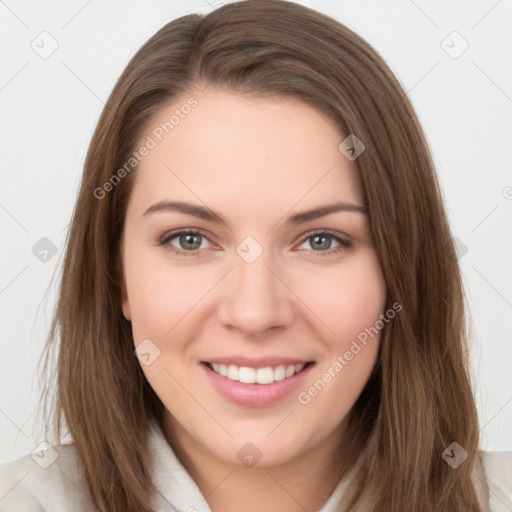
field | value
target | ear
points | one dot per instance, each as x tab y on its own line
125	304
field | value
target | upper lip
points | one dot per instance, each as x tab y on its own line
261	362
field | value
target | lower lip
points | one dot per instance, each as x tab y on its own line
255	395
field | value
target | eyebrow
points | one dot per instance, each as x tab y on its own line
212	216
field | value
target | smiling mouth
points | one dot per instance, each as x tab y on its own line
266	375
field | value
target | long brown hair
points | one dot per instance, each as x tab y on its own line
419	398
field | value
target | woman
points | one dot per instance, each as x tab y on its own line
307	350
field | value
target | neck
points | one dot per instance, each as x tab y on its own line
302	484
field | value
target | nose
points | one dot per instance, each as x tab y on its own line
255	297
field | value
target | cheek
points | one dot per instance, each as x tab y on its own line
355	302
162	299
161	296
349	300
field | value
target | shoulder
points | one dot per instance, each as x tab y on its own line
50	479
497	467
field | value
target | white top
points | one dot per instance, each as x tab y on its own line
53	480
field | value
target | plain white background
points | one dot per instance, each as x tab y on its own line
50	107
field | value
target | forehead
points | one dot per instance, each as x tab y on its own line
240	150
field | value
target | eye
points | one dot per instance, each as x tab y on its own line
189	242
321	242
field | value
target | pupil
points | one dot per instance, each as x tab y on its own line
189	239
326	240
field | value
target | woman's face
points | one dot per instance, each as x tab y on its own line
256	286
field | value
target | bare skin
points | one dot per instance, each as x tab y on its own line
256	162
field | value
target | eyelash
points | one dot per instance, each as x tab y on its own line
164	241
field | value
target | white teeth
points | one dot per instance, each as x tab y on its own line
266	375
247	375
280	372
232	372
290	370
